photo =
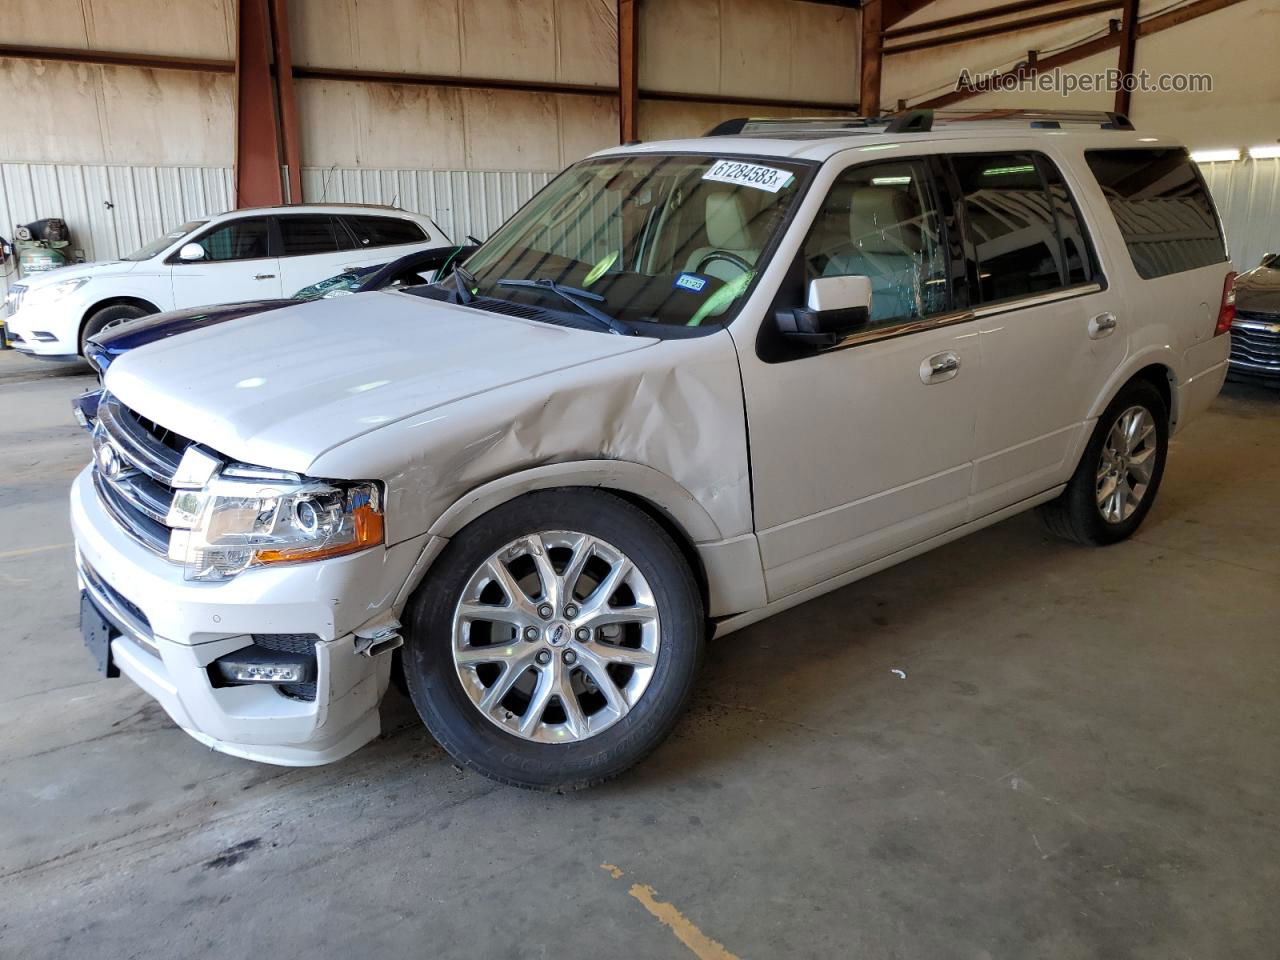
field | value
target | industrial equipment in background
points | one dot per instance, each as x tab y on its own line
37	247
43	245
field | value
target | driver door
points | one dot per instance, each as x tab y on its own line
866	448
237	266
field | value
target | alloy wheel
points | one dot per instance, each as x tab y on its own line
556	636
1126	464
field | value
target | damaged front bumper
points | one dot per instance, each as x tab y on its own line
175	638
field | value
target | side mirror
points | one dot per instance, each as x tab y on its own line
836	308
1268	259
191	252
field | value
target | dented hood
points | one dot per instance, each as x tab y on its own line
282	388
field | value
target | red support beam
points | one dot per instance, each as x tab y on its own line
286	97
628	71
872	55
257	128
1128	53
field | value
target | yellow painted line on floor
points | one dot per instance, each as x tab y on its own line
702	946
28	551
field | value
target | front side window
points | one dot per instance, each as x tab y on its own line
881	221
238	240
384	231
671	240
1011	238
309	234
1162	208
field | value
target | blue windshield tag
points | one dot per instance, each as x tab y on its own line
693	282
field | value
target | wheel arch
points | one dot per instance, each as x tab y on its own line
1154	366
124	301
727	571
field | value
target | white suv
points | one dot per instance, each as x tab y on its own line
253	254
687	386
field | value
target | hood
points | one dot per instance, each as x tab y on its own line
281	388
104	348
74	271
1258	291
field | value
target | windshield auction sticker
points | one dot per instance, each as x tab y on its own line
748	175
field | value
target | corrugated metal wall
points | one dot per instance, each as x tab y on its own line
462	202
111	210
1247	194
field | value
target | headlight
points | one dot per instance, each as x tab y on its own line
43	296
234	523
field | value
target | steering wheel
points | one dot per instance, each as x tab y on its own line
727	257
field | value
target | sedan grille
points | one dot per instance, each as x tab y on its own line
13	299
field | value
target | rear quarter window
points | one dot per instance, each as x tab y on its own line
384	231
1162	207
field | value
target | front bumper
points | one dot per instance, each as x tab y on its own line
29	330
180	627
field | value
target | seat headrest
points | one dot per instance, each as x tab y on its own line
884	220
726	222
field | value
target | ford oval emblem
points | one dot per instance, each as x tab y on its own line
109	461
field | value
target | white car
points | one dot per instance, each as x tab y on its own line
687	386
252	254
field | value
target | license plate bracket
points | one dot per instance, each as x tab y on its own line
97	633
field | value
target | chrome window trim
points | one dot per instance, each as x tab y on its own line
1040	299
919	325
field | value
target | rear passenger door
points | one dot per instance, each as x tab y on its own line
313	247
1051	333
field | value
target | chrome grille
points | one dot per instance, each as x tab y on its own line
13	299
1255	343
134	463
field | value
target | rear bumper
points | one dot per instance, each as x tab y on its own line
1196	392
172	630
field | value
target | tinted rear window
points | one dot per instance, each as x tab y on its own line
1162	207
314	233
384	231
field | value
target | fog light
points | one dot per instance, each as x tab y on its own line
259	665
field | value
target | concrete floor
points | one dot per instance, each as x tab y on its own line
1081	762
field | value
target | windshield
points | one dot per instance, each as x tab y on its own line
162	243
643	239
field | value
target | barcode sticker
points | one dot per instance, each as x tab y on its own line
748	175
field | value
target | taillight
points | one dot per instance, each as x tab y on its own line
1227	312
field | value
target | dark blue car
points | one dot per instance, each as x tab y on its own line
422	266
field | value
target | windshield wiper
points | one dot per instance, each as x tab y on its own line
464	281
575	296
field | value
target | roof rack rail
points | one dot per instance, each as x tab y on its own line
921	121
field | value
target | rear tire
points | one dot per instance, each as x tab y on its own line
559	687
1118	476
109	317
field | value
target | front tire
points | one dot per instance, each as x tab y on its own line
555	641
109	317
1119	474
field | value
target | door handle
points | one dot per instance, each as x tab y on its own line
265	276
939	368
1103	325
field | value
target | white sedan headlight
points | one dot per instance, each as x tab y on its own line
44	296
233	524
